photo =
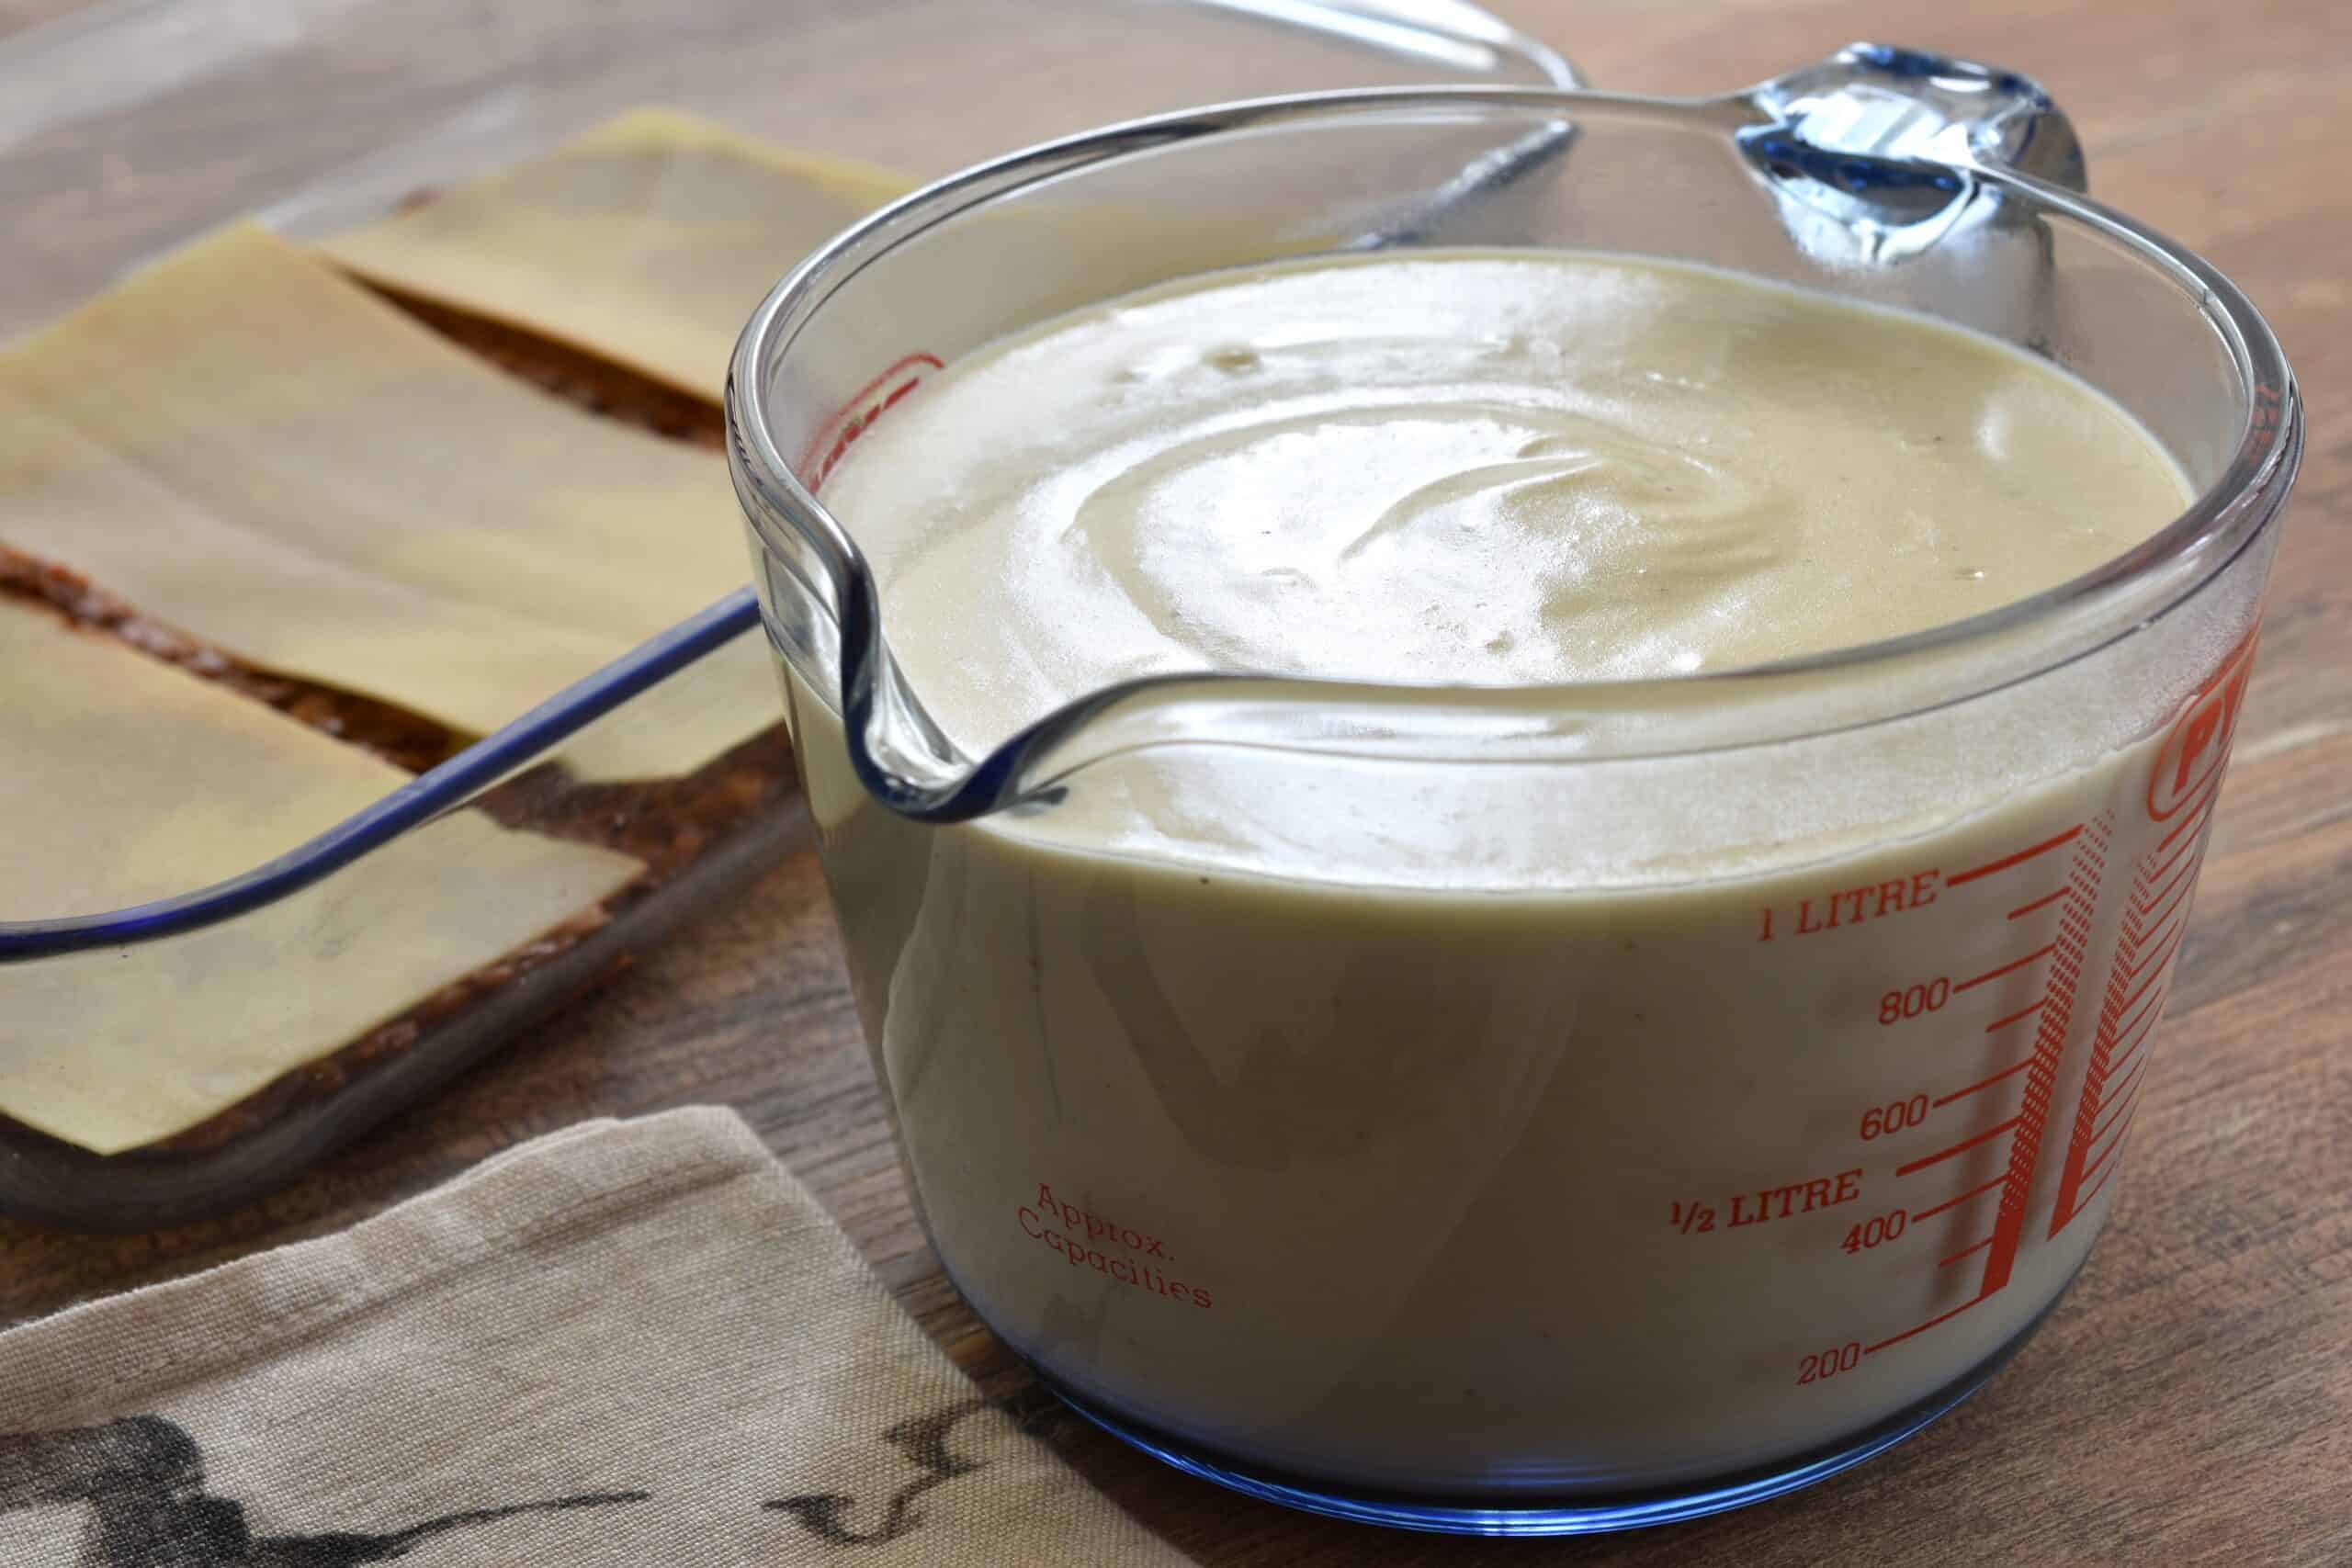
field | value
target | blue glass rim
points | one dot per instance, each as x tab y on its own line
529	738
1538	1516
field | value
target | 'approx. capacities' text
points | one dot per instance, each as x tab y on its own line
1072	1231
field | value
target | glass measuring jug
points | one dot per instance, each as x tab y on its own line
1761	1080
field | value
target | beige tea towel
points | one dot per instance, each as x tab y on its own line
631	1343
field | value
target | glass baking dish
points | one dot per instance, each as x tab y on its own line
134	125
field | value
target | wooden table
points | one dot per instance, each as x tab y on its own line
2192	1400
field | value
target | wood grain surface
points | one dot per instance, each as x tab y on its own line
2192	1399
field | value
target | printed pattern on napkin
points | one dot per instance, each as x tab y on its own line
627	1343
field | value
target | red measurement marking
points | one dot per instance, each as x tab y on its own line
1962	1197
2140	1020
2155	974
2196	751
1964	1252
2173	860
1960	1148
2148	1020
2122	1097
2085	873
2023	910
2035	956
857	416
2196	815
2149	963
2000	1023
2146	948
2017	859
2008	1072
1931	1323
2100	1158
2265	414
2092	1190
2140	948
2178	880
2179	892
2183	783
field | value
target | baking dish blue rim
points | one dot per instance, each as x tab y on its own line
532	738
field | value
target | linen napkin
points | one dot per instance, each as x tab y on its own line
630	1343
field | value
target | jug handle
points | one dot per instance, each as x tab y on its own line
1872	151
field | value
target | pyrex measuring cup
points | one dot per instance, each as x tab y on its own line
1533	1110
